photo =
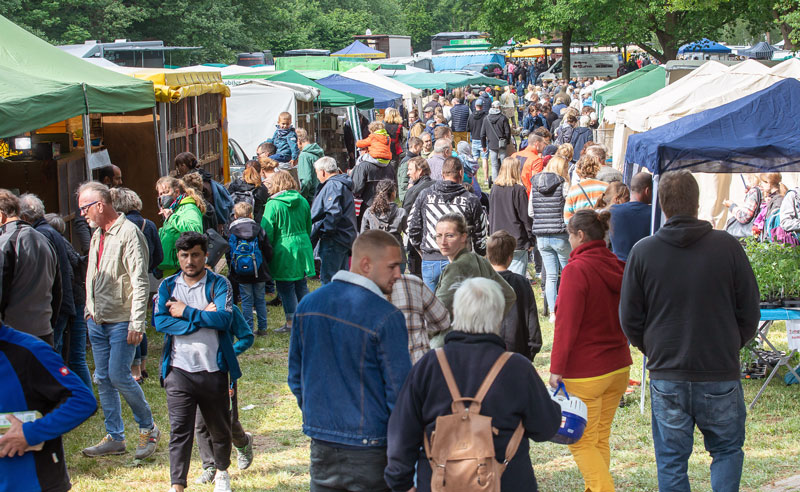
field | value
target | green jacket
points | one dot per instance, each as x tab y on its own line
185	218
469	265
305	170
287	222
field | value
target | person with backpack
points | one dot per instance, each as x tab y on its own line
213	192
248	264
495	136
740	223
393	124
508	396
790	211
766	226
250	189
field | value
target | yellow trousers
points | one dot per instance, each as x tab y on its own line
592	453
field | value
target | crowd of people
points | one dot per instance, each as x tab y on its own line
425	296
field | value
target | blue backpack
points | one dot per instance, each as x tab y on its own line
246	256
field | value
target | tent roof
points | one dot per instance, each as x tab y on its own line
632	86
704	45
761	51
383	98
757	133
306	63
523	52
364	74
360	50
446	80
327	97
41	84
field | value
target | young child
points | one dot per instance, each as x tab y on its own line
384	214
520	326
248	261
378	143
285	140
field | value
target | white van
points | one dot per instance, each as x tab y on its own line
587	65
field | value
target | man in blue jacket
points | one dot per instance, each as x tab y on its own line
195	312
347	362
333	218
34	378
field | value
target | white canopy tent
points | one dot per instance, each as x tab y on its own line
411	95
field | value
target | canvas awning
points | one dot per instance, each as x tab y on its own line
327	97
631	86
447	80
358	49
41	84
523	52
383	98
704	45
761	51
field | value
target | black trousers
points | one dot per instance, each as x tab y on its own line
347	470
204	442
186	393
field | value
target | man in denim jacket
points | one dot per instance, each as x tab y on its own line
348	359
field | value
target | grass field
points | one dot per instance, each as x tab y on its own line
281	461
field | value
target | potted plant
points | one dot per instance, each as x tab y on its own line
777	270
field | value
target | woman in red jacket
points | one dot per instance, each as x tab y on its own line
590	352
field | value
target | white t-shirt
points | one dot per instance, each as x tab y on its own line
198	351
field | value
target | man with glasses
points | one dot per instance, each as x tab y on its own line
30	282
116	307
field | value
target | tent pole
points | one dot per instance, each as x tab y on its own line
87	144
655	216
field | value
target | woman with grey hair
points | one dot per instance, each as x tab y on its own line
516	397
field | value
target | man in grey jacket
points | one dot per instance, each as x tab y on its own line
30	282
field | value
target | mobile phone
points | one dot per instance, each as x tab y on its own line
172	299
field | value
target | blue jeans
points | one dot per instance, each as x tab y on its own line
141	351
112	373
477	151
555	250
77	347
496	159
717	408
519	264
254	295
332	258
431	271
291	292
58	332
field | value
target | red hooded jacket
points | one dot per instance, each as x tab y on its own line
588	339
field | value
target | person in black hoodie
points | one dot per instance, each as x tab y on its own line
690	302
520	328
516	397
252	286
495	136
446	196
475	127
419	175
250	189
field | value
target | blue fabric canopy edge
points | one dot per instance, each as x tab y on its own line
757	133
704	45
357	48
382	97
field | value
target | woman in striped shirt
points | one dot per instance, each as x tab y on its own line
587	190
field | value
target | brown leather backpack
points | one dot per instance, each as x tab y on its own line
461	447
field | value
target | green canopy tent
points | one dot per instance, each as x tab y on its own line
446	80
41	85
631	86
327	97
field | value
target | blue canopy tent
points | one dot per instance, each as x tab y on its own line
757	133
705	45
359	50
761	51
383	98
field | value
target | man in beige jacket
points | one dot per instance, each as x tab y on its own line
116	309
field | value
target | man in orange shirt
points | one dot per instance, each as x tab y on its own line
531	159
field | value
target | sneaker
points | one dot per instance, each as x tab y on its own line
262	333
207	476
275	302
222	481
244	455
552	318
107	446
284	329
148	442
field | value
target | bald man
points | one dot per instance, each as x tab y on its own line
348	359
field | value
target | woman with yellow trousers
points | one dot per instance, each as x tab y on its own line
590	352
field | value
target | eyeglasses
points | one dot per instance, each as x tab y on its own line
86	207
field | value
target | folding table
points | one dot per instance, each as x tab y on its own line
769	316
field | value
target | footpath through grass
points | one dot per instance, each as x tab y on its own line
282	453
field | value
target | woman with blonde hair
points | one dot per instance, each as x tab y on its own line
566	151
194	181
587	191
393	124
508	204
287	222
773	191
182	208
268	169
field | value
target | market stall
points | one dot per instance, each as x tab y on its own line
383	98
411	95
358	49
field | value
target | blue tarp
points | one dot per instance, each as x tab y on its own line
357	48
458	62
383	98
705	45
757	133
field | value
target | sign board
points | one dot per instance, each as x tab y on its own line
793	334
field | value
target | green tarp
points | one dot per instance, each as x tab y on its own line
41	85
306	63
445	80
631	86
327	97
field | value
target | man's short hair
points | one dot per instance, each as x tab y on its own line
421	164
414	142
105	172
189	240
500	247
242	210
452	167
267	148
327	164
478	306
302	136
641	181
442	146
31	208
372	241
9	202
678	194
99	189
544	133
442	132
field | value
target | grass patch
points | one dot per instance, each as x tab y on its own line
282	451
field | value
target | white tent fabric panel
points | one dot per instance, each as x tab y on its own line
253	111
